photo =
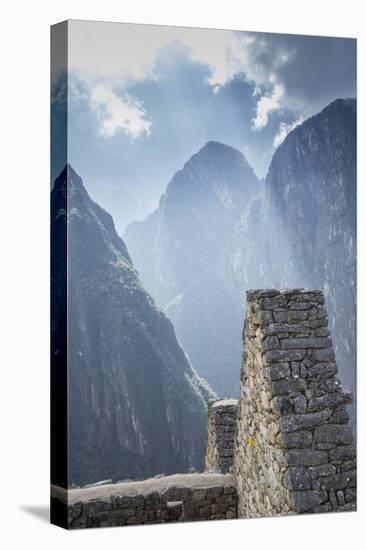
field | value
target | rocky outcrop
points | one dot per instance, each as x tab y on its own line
136	407
293	450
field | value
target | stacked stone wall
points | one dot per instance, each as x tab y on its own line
182	497
293	450
221	428
287	440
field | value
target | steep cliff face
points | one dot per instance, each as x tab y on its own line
179	252
196	215
136	407
301	230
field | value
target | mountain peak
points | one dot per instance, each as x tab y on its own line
341	103
70	176
219	151
216	145
201	204
69	196
326	135
338	108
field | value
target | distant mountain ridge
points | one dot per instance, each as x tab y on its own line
298	229
136	407
218	181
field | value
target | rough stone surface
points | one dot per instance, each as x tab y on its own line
182	497
221	429
293	451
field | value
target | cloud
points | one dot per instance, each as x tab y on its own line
284	129
117	113
266	105
125	52
122	51
97	53
182	87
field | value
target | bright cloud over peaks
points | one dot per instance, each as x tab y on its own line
116	113
266	105
285	129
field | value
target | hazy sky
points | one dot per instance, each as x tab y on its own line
143	99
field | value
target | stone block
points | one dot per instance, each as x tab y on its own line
293	422
152	498
324	355
288	386
278	371
300	306
322	331
341	454
298	439
322	370
214	492
332	400
296	478
198	493
225	499
333	433
290	328
270	343
349	507
126	512
306	343
283	405
348	466
290	316
262	318
306	457
283	355
273	302
350	494
340	416
339	481
300	404
305	501
322	470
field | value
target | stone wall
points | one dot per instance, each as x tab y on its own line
181	497
286	440
293	450
221	427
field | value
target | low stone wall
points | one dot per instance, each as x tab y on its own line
293	451
181	497
221	427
